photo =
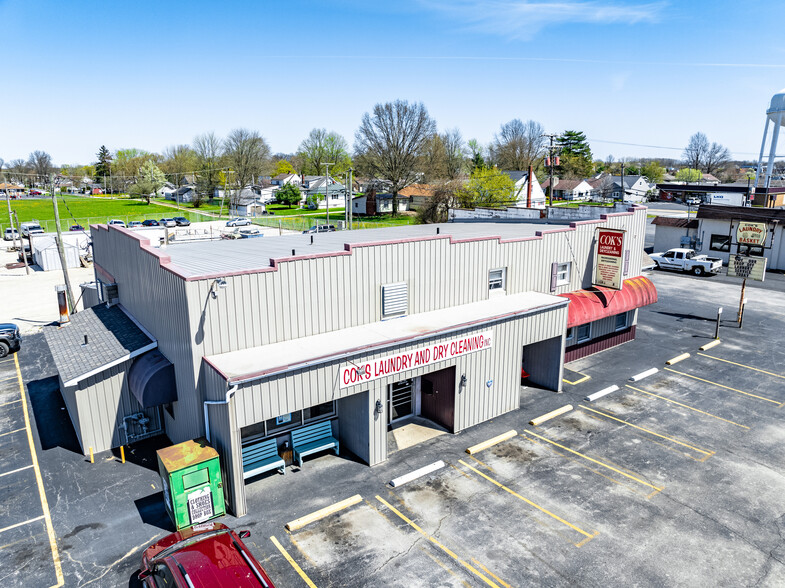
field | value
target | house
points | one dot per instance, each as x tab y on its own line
283	179
570	189
710	180
315	188
167	191
521	190
636	188
370	203
417	194
183	194
247	205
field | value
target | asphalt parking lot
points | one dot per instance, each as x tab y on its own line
676	479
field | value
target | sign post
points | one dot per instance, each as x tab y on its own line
748	266
609	258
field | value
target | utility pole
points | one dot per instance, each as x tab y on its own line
8	201
351	195
326	192
550	162
623	188
60	248
21	246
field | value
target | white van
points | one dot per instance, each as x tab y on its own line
31	228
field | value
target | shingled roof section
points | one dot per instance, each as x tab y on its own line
669	221
112	337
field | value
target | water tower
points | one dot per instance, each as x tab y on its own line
774	115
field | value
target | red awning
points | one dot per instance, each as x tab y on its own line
590	305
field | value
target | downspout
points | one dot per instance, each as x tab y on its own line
229	393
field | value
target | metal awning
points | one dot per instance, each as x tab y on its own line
151	380
590	305
257	362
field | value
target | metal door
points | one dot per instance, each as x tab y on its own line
438	397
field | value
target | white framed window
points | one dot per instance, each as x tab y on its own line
569	335
621	321
584	332
497	280
563	273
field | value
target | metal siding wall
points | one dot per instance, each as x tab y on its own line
612	340
72	406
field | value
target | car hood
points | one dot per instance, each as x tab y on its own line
8	327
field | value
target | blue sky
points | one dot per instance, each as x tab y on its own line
151	74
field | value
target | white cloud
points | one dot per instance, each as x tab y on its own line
522	19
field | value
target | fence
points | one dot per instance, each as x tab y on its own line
303	223
66	221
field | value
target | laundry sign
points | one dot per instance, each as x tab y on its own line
751	233
374	369
609	258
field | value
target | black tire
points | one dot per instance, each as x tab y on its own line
698	270
4	349
659	267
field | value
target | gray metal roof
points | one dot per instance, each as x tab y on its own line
243	255
112	337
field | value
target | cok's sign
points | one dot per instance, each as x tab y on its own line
400	362
609	258
751	233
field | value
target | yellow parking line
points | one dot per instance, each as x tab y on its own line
293	563
11	432
530	503
8	379
706	453
491	574
433	540
11	402
9	527
724	386
598	462
444	567
714	416
749	367
50	531
576	382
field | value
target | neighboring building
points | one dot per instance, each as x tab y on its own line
247	340
183	194
713	232
417	194
316	188
521	189
76	244
710	180
283	179
570	189
370	204
636	188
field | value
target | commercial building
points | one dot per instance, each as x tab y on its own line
247	340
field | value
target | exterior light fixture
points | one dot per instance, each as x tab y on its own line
463	380
379	409
218	283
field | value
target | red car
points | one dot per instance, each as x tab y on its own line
205	555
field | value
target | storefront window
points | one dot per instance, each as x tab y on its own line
584	332
287	422
750	250
279	424
720	243
318	411
621	321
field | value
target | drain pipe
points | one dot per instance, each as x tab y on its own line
229	393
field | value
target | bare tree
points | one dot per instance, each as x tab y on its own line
717	157
248	155
456	153
208	155
432	164
17	171
389	140
321	147
40	164
517	145
178	162
696	150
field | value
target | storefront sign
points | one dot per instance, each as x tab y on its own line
751	233
747	266
609	258
400	362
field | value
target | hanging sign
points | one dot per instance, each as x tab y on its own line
747	266
373	369
751	233
609	258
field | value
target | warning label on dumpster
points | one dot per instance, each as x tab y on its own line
200	505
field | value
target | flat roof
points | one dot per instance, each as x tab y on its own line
257	362
246	255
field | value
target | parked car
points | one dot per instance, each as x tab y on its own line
10	339
135	224
28	254
167	222
207	554
10	234
321	229
238	222
117	223
76	228
687	260
182	221
150	223
35	192
31	228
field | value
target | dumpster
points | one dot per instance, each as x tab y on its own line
191	477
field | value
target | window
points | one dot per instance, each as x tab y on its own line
287	422
277	424
568	336
584	332
621	321
163	576
497	279
563	273
750	250
720	243
318	411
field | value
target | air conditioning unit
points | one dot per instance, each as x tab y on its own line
110	294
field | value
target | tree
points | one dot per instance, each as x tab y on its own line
455	151
486	187
689	174
126	165
150	180
207	148
653	171
289	194
433	159
321	147
716	158
517	145
696	150
575	155
436	209
477	160
178	162
573	166
247	153
104	166
283	167
40	164
389	140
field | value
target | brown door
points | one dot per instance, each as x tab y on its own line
438	397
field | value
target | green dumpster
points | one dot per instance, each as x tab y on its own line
191	476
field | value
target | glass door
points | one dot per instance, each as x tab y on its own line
401	400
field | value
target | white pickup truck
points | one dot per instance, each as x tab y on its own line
687	260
